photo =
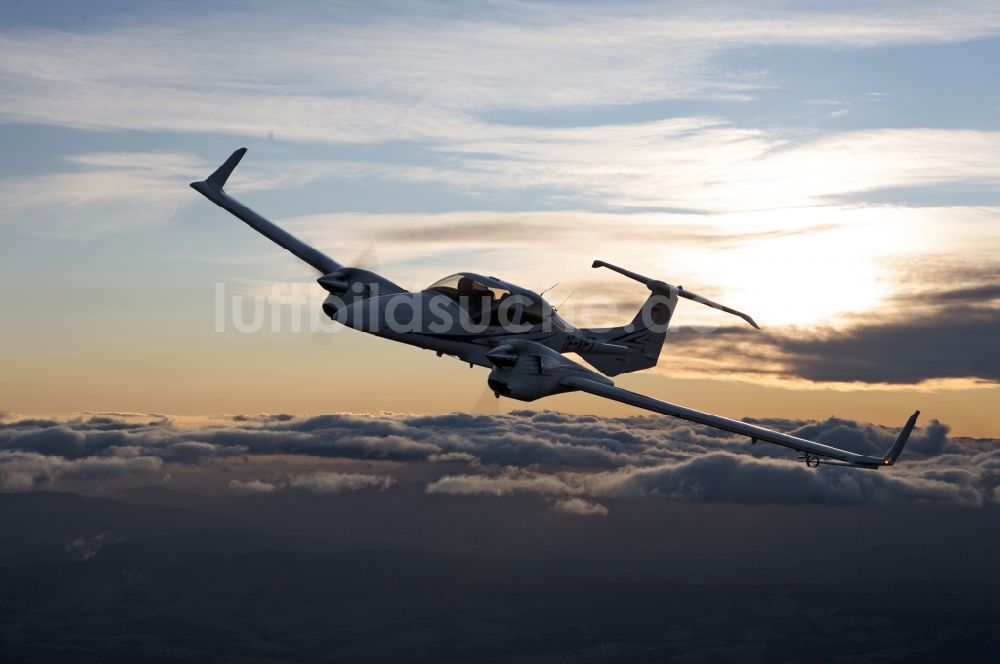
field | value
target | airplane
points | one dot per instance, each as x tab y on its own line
519	336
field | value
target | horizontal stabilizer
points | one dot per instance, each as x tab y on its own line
664	288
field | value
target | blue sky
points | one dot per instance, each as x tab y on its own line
830	167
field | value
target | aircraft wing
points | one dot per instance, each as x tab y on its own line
527	370
814	453
211	188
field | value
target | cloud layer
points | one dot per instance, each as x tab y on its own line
572	461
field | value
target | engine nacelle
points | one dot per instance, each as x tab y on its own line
526	370
348	285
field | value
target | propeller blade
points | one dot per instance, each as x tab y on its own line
486	402
367	259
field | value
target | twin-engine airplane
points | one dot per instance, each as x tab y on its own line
516	334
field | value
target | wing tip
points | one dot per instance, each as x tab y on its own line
218	179
900	442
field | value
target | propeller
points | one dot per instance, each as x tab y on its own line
487	402
367	258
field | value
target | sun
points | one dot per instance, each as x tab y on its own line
807	267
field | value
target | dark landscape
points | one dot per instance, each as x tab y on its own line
153	575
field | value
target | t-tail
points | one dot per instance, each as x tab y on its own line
637	345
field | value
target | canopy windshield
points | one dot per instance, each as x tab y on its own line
486	298
468	284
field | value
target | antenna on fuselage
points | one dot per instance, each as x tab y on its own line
564	301
548	289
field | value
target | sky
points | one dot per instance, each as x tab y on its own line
833	169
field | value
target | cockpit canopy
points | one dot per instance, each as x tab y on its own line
471	284
488	297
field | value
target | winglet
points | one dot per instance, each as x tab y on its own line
897	447
217	180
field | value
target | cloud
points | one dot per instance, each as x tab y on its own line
722	477
438	82
719	477
710	165
437	78
431	79
521	439
463	457
928	335
117	191
433	76
347	77
513	481
251	486
503	485
554	456
852	264
580	507
318	482
327	482
21	471
86	547
192	451
52	441
957	342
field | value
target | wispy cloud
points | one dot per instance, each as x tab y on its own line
429	76
329	482
704	165
319	482
346	77
109	190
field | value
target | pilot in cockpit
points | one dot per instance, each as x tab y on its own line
478	299
469	286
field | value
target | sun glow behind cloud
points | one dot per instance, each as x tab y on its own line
844	268
798	266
